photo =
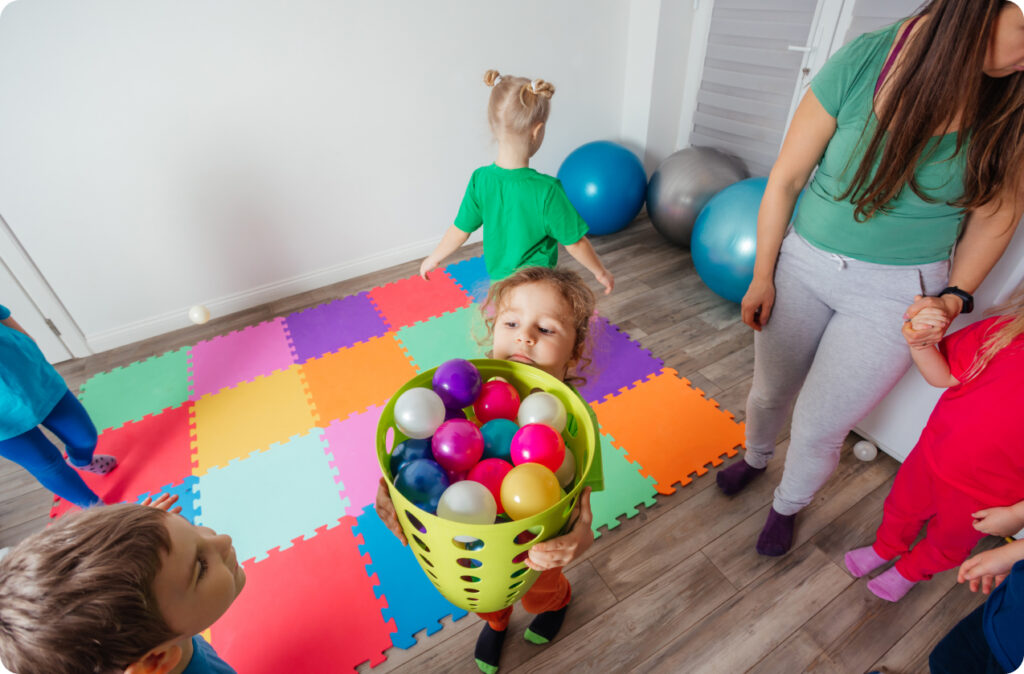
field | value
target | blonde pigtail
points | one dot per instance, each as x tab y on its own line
492	77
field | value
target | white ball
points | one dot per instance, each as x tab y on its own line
567	471
468	502
542	408
865	451
418	412
199	314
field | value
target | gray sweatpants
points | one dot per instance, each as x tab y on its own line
833	337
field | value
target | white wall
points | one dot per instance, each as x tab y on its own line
157	154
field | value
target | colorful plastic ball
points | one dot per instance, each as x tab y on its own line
865	450
497	400
199	314
408	450
456	413
542	408
455	476
498	435
422	481
418	412
458	383
529	489
458	445
606	183
490	473
567	471
468	502
537	443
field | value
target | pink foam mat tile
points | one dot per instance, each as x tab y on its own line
224	361
352	450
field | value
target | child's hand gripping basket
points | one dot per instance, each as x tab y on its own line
488	573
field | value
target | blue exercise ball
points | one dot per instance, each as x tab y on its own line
724	240
606	183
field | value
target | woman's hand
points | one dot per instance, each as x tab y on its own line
987	569
386	511
756	307
940	312
558	552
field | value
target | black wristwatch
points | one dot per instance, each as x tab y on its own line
965	297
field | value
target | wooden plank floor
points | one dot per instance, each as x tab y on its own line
677	588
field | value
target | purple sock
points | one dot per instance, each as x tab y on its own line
862	561
890	585
777	536
733	479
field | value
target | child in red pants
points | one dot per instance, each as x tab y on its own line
965	476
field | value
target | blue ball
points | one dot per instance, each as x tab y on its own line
498	439
422	481
410	449
606	183
724	240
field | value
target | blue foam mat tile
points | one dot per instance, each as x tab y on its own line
471	276
413	601
188	497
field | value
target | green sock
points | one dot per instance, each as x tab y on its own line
545	626
488	649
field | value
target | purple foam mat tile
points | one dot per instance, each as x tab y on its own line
616	362
337	324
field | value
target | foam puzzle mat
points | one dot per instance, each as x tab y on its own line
267	434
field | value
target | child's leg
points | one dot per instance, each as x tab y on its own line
548	598
491	639
71	423
911	502
965	649
33	452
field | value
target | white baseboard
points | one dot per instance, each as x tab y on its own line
175	320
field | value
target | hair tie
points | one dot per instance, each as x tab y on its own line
533	86
497	80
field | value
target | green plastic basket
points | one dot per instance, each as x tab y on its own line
491	576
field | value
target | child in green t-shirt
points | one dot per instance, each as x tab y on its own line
525	214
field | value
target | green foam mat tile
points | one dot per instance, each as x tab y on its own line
624	488
457	334
129	393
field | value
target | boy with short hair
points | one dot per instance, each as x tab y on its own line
120	588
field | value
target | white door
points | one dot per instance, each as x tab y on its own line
24	310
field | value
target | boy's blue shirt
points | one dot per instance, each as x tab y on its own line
205	660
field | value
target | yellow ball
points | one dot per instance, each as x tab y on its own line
529	489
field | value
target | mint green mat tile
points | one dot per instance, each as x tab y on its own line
624	488
131	392
457	334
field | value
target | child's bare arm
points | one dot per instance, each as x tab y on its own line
585	254
1000	521
450	242
930	361
386	511
13	324
988	569
557	552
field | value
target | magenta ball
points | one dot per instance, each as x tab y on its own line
537	443
497	400
458	383
457	445
490	473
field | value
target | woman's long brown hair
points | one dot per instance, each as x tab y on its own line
939	78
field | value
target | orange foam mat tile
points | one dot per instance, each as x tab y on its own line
669	428
249	417
356	378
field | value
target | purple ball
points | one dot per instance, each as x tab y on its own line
450	414
458	445
458	383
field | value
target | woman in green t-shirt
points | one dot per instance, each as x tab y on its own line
917	133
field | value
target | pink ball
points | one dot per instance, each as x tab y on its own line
457	445
490	473
538	443
497	400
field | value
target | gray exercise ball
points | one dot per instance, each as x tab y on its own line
683	183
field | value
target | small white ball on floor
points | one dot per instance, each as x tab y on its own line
199	314
865	450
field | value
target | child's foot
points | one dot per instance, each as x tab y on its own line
777	536
545	626
733	479
101	464
890	585
862	561
488	649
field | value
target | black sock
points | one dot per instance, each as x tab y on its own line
545	626
488	649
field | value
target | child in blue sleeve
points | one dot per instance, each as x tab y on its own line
123	588
32	394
